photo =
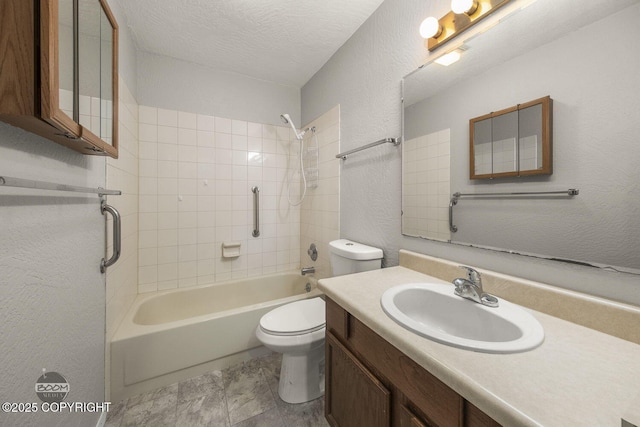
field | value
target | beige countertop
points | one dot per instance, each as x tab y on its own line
577	377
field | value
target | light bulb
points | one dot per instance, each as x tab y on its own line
430	27
464	6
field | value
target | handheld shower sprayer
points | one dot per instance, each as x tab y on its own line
287	120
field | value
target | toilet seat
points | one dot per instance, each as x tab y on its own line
296	318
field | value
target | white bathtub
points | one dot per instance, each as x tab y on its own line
172	335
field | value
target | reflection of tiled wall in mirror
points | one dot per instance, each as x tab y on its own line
504	156
530	153
90	108
426	187
482	153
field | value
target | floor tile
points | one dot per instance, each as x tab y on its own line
245	395
247	391
270	418
208	410
200	386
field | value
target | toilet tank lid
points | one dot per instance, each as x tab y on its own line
353	250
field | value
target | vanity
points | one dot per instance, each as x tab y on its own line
379	373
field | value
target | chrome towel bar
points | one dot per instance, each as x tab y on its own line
456	196
394	141
7	181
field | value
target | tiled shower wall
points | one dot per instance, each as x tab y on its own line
426	186
320	215
196	174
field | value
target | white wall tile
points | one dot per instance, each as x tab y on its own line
196	177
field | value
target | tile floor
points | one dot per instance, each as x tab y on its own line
244	395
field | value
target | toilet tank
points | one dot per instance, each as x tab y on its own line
351	257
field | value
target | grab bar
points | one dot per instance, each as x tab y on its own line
394	141
117	235
256	211
454	199
452	203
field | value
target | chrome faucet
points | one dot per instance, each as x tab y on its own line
471	288
308	270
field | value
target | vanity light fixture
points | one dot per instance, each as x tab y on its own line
464	14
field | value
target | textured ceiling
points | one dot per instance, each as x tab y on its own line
284	41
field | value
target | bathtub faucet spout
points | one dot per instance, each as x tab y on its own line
308	270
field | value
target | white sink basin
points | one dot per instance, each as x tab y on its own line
434	311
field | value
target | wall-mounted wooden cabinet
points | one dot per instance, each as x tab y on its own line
512	142
369	382
59	72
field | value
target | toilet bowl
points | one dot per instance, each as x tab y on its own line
297	329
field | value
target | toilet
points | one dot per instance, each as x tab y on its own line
297	329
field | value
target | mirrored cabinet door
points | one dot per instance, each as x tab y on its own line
58	90
59	74
97	79
108	79
65	58
534	124
482	148
504	129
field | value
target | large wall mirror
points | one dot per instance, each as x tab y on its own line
587	61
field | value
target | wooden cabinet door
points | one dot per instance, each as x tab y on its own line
354	397
474	417
409	419
41	90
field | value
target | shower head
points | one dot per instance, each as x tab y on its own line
287	120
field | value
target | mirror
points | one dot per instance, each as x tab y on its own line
106	78
592	80
89	64
515	141
65	57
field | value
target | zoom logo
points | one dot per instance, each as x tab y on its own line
52	387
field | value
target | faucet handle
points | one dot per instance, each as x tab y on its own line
473	274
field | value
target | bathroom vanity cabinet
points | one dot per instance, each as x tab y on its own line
59	72
370	382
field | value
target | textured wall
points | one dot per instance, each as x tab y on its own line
51	289
364	78
178	85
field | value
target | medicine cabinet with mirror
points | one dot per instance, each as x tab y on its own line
515	141
60	72
596	120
